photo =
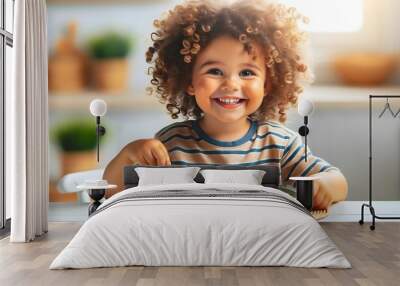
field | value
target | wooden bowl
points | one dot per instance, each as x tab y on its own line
364	69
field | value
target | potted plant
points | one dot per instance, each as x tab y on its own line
77	140
109	52
67	64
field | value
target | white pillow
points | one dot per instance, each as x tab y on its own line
163	176
248	177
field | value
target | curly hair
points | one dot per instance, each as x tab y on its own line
190	27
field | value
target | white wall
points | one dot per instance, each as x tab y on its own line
380	33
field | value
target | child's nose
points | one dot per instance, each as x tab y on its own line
230	85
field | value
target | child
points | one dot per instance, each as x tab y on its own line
233	69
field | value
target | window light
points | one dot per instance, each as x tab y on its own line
330	16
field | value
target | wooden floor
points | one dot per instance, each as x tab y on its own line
374	255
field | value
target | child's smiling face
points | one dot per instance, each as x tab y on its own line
228	84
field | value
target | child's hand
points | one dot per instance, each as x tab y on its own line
147	152
322	199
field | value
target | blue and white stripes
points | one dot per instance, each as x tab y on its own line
265	143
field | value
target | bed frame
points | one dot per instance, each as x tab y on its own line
131	178
270	179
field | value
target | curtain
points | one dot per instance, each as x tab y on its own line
27	123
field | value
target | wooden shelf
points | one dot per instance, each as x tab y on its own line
70	101
325	96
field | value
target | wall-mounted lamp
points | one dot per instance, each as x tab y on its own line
305	108
98	108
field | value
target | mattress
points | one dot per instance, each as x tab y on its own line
201	225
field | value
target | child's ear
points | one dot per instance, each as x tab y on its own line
190	90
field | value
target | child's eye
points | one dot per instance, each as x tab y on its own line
247	73
215	71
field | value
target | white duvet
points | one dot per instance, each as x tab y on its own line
209	229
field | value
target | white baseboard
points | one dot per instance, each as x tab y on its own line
350	211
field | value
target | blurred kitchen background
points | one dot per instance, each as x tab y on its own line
97	50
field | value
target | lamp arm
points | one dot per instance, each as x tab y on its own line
100	131
303	131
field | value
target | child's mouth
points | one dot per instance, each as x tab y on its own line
229	103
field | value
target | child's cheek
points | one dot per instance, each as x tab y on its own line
206	83
206	87
257	86
254	90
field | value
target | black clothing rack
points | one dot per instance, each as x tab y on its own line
369	205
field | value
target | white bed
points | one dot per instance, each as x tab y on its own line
222	225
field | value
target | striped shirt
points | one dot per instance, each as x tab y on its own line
265	143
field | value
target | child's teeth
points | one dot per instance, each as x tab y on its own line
229	100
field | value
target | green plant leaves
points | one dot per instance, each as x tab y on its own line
110	45
76	135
